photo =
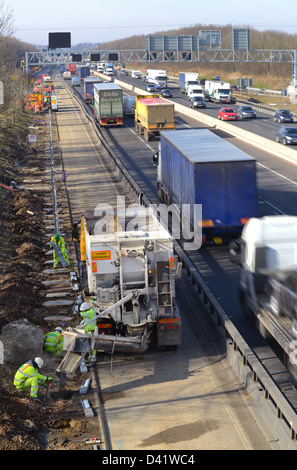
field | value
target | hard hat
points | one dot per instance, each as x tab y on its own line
84	306
57	237
38	361
58	329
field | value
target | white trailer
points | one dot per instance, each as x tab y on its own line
267	254
218	92
186	79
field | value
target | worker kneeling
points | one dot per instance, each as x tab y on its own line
53	342
89	322
60	242
28	377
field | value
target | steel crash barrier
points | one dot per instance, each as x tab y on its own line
268	401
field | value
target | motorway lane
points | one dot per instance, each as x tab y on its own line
84	158
214	265
188	399
263	125
276	182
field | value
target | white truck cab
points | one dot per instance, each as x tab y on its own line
195	90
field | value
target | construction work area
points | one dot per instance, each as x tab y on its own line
130	279
26	301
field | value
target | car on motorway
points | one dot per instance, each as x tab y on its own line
150	87
124	72
227	114
166	93
283	115
287	135
246	112
197	102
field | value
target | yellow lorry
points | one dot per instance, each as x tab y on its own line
153	115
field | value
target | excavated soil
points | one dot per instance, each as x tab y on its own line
55	420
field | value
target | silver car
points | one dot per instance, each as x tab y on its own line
246	112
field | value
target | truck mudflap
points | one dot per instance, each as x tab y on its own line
169	332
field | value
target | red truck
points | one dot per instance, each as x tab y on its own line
72	67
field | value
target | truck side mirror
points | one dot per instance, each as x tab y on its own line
156	158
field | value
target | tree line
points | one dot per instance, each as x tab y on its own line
12	52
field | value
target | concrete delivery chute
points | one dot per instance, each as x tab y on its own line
128	274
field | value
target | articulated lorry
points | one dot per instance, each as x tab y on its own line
108	104
72	67
83	72
152	115
128	271
196	168
218	92
89	88
267	256
186	79
157	78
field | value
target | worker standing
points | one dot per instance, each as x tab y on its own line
54	341
60	242
28	377
89	322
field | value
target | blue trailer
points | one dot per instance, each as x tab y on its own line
195	166
89	88
83	72
62	68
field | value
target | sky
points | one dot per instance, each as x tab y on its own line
100	21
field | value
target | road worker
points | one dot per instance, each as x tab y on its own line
60	242
28	377
54	342
88	314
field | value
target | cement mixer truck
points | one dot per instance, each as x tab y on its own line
128	277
